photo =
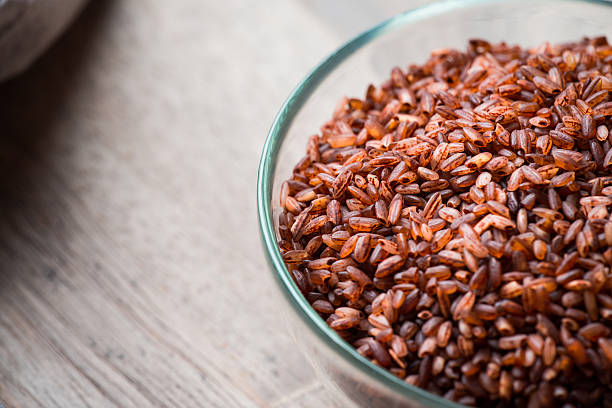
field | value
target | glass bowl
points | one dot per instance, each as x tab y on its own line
405	39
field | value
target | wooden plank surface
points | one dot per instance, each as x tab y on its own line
131	272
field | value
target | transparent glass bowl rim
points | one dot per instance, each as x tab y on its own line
267	165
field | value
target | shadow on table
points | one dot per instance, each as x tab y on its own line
28	102
29	105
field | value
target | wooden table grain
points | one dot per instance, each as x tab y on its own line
131	272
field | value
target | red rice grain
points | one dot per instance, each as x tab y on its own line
455	224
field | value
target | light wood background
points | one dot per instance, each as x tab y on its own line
131	272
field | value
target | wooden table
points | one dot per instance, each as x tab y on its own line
131	272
